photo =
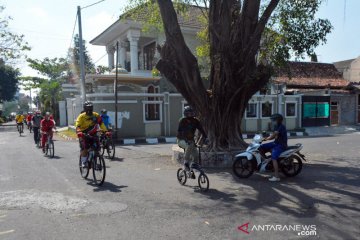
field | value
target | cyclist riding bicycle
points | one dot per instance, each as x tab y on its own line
46	126
186	133
28	119
36	120
86	124
105	118
20	121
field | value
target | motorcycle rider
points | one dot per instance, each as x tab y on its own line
278	146
186	133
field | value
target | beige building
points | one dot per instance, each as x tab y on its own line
350	69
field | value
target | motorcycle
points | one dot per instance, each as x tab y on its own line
251	160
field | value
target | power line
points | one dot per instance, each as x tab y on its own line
100	58
72	35
92	4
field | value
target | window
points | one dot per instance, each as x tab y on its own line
251	110
290	109
152	107
266	109
152	111
149	52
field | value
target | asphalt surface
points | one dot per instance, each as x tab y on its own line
42	198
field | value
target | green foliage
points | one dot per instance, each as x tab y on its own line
12	45
55	68
293	29
9	107
49	95
55	72
8	82
102	69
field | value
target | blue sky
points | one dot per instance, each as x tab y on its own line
48	26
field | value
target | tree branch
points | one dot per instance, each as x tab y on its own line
180	59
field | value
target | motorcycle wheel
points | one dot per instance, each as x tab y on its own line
291	166
242	167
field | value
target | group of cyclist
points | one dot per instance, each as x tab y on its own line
43	125
88	123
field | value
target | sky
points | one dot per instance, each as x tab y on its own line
48	26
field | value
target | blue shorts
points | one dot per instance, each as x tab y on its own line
276	149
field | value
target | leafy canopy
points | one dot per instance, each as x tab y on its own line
12	45
293	29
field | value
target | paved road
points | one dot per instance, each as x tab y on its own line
43	198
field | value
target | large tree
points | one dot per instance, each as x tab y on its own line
246	39
12	45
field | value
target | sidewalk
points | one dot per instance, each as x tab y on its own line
332	130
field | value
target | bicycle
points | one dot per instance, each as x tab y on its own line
95	161
107	144
49	146
38	138
29	125
187	172
20	128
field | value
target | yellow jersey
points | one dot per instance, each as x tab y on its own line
19	118
85	122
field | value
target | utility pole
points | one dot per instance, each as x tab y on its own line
82	63
115	88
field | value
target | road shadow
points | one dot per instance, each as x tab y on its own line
107	186
116	159
325	192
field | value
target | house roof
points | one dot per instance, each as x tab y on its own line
126	21
310	75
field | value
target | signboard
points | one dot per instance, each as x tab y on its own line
316	110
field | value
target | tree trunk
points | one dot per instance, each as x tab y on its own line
234	33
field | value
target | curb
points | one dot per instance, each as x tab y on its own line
136	141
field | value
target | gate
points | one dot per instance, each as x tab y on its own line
315	111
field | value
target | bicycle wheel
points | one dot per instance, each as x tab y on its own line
51	149
203	182
110	149
181	176
46	149
38	142
99	170
84	171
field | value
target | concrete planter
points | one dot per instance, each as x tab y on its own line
208	159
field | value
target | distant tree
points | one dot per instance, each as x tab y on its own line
9	78
74	60
55	73
12	45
